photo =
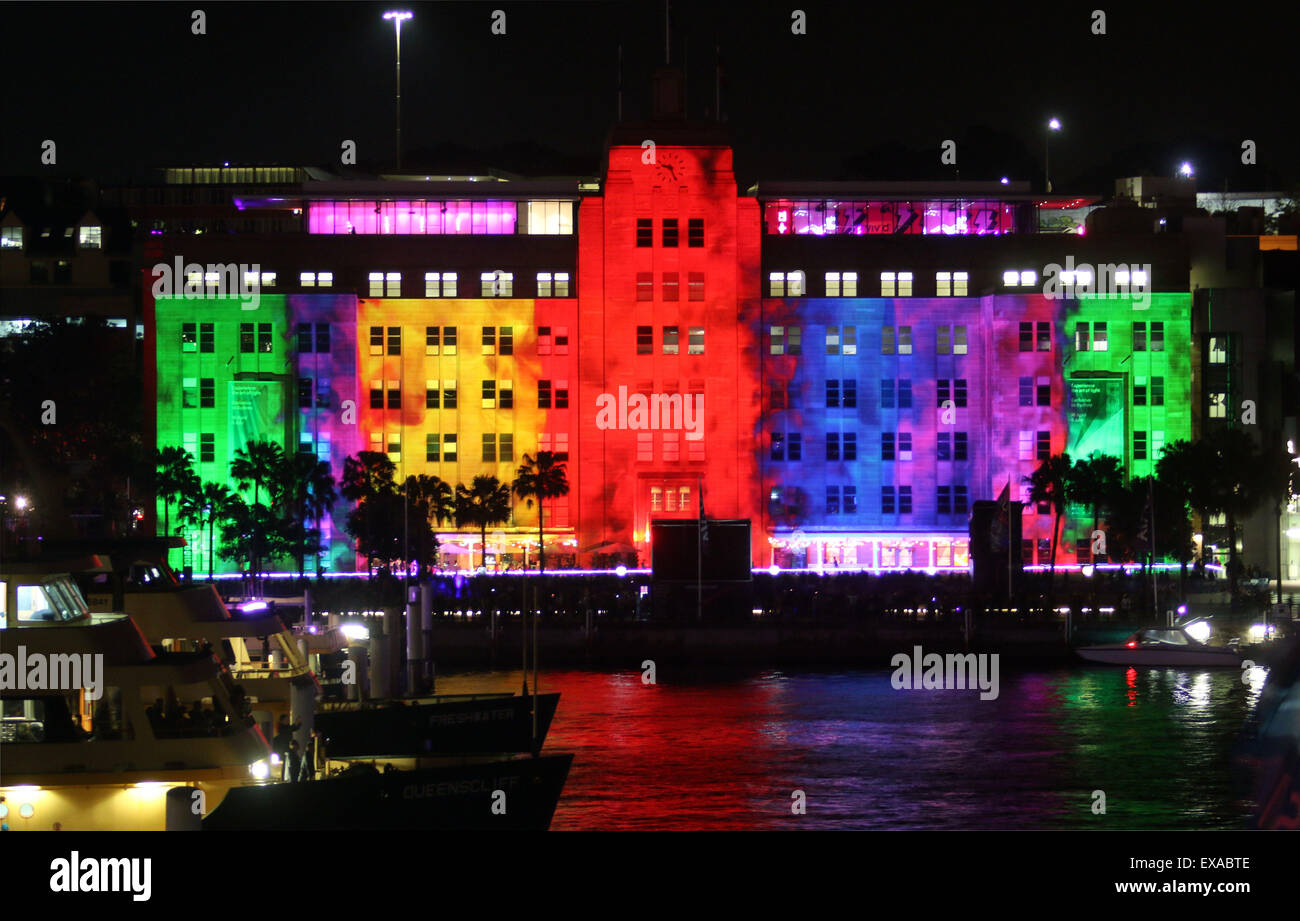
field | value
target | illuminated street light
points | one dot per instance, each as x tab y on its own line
1052	125
1185	169
398	17
20	503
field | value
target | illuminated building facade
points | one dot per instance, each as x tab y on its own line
850	367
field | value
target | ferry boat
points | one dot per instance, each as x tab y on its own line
1164	646
100	751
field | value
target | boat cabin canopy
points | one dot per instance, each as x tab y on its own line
1154	637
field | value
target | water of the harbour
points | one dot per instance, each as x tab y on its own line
708	749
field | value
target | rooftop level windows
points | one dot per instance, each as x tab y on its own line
949	217
420	217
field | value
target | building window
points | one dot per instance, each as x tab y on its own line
887	394
1157	336
552	284
376	340
778	446
1044	343
904	500
304	392
505	394
832	446
695	232
1139	337
905	393
561	340
644	232
432	395
785	284
1026	391
832	500
888	446
671	447
670	340
887	503
645	340
645	286
497	283
439	284
954	390
90	237
695	344
207	393
394	394
246	338
1026	337
189	337
489	340
545	342
786	340
670	232
543	394
645	448
951	284
557	444
1139	445
670	286
1026	446
1218	406
489	395
550	217
1218	350
945	500
394	340
841	284
190	392
695	281
207	448
377	394
1044	445
842	393
11	238
1139	391
849	443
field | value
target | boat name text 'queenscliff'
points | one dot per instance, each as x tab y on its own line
56	672
103	874
458	788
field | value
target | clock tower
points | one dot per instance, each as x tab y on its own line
668	300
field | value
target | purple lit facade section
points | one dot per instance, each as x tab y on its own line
957	217
413	217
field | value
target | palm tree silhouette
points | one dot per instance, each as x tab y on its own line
541	478
209	505
485	503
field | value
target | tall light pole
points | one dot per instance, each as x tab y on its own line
1052	125
397	17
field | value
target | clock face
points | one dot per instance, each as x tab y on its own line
669	168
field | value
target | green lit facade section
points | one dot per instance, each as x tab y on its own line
224	377
1127	370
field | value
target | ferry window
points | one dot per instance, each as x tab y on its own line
35	605
24	721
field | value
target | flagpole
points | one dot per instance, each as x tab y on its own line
1151	501
699	555
1010	578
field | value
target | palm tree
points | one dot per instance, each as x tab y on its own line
541	479
174	477
1051	483
307	487
368	481
1096	483
485	503
209	505
258	464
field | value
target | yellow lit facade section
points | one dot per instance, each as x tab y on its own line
462	387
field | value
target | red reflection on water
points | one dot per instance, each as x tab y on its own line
1131	680
656	756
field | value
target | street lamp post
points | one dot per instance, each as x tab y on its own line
397	17
1052	125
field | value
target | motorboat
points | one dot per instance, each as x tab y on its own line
1162	646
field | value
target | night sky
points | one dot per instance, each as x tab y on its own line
867	93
